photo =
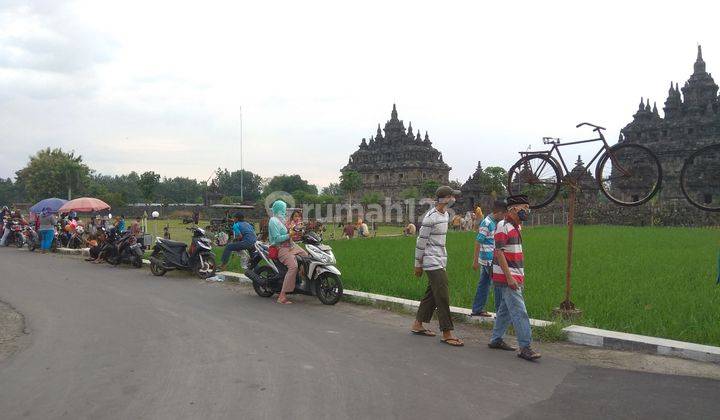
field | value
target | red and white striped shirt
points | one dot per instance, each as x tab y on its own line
508	240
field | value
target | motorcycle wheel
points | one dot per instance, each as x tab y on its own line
137	262
19	241
31	245
113	258
263	290
328	288
156	269
210	261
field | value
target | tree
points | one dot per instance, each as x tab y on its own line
350	182
8	192
53	173
429	187
148	183
290	184
229	183
333	189
494	180
373	197
180	190
410	193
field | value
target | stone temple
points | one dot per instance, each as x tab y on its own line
397	160
691	120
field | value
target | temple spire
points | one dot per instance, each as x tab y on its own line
699	62
379	136
642	104
410	132
647	107
654	109
393	114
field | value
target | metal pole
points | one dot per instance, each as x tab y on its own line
567	304
242	168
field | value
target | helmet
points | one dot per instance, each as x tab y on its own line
80	230
312	238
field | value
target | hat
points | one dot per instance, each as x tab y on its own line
446	191
517	199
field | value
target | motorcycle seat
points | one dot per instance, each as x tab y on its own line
174	244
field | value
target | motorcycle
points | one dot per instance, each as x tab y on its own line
31	238
322	278
125	248
16	233
172	255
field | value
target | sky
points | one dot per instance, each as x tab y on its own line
160	85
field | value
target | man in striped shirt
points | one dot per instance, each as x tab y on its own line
509	277
483	257
431	257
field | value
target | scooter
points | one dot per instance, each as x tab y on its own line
125	249
322	278
31	238
172	255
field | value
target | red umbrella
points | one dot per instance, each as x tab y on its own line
84	205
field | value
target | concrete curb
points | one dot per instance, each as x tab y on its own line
641	343
576	334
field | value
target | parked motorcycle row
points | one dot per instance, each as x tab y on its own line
318	275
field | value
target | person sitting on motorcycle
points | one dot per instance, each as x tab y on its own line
295	226
243	238
287	250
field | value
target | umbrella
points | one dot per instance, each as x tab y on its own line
53	204
84	205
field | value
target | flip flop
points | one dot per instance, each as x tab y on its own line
455	342
424	331
286	302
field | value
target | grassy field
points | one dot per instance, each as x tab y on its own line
652	281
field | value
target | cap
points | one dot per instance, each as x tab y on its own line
517	199
446	191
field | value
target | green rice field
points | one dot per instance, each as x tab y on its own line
650	281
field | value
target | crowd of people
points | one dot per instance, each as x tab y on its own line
66	229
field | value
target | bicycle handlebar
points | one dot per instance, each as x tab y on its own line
596	127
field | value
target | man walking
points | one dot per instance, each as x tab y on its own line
483	257
431	257
509	278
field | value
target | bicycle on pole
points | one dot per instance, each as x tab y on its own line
700	178
627	174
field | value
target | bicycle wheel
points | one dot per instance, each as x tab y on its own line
629	174
700	178
537	176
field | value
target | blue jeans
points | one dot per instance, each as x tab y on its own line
236	246
46	237
483	290
511	309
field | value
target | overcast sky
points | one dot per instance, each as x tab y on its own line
155	85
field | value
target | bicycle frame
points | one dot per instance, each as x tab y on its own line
556	147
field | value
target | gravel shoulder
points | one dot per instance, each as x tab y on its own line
12	331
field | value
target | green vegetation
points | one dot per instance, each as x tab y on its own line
652	281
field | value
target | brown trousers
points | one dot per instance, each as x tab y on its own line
286	255
437	296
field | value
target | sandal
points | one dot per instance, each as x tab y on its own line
424	331
455	342
284	302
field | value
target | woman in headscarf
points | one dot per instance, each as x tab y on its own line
46	229
287	250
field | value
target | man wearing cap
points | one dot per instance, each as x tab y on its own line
244	238
483	257
509	278
431	257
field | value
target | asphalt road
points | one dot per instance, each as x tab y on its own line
119	343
